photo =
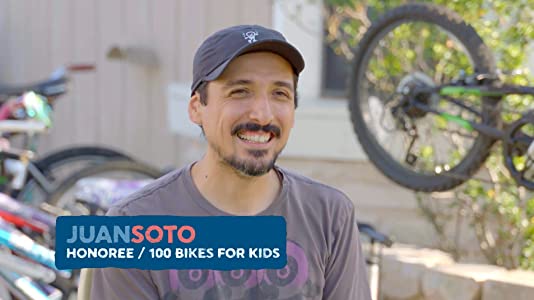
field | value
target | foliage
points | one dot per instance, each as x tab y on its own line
500	213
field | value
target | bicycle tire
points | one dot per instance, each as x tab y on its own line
48	161
483	62
128	166
52	162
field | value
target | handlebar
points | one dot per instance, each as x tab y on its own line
374	235
62	72
81	67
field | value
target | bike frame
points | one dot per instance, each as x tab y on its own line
25	288
480	90
23	244
28	213
46	272
25	267
30	168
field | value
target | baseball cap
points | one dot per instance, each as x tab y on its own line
220	48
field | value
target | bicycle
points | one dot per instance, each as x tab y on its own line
377	241
32	180
35	277
421	72
39	226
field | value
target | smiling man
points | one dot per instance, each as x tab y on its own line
244	98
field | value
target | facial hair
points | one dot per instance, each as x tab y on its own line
248	167
254	166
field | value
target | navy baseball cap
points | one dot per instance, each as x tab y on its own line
220	48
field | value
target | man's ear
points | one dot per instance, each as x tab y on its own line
195	109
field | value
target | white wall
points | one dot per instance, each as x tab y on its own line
322	129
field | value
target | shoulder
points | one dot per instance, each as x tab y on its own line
149	199
320	195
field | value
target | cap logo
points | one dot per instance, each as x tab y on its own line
250	36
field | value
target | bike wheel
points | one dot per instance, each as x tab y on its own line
58	165
420	45
64	197
54	160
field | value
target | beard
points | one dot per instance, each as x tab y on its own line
258	165
253	167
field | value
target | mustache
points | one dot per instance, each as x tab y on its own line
256	127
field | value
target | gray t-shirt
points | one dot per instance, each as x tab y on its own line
324	254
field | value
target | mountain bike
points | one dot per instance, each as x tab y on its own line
426	101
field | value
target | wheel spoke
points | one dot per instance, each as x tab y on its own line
400	58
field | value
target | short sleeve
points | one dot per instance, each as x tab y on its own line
115	284
346	272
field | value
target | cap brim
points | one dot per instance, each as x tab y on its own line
287	51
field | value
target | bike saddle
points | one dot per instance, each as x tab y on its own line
374	235
53	86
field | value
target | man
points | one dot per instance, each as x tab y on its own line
244	99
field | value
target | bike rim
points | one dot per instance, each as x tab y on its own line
397	59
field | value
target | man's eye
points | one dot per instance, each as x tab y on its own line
238	92
283	94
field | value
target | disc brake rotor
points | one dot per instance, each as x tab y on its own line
406	87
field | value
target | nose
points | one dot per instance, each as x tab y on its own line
261	110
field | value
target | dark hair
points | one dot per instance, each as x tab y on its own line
203	91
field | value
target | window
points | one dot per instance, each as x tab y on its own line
336	71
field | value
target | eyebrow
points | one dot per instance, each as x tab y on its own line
284	84
232	83
235	82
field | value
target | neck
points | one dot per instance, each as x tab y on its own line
232	192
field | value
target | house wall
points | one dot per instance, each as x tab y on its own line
122	104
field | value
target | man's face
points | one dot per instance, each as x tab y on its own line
249	113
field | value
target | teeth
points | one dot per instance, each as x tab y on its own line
255	138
